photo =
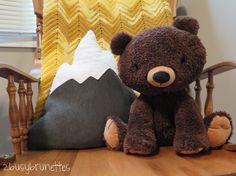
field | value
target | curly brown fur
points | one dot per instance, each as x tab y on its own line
190	132
152	48
187	23
119	42
140	138
163	115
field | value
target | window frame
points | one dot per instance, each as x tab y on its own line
18	39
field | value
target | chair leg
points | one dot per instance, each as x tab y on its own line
23	115
14	115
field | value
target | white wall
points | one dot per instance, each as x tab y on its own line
217	20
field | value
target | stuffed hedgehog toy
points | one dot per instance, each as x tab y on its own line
160	63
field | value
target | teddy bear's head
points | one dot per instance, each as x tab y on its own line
161	59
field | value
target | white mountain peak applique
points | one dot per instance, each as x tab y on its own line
89	61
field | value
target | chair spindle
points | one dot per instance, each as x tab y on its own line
23	114
14	115
29	94
209	100
198	90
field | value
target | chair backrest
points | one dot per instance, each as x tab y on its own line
65	22
38	11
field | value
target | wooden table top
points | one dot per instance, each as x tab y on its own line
101	162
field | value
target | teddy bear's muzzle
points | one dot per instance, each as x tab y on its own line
161	76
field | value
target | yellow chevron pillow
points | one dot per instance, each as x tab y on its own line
65	22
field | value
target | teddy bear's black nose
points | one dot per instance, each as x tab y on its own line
161	77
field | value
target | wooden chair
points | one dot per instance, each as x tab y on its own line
21	117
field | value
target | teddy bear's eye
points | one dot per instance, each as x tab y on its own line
183	59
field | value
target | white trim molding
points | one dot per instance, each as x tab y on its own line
18	41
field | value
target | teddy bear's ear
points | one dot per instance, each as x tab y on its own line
187	23
119	43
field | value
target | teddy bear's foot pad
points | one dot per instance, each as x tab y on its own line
114	133
219	131
190	152
111	134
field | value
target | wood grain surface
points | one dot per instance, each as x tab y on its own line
101	162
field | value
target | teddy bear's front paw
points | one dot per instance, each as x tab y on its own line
191	144
139	145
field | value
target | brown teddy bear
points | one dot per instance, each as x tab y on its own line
160	63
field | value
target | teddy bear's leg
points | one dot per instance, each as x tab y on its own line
140	138
191	135
165	129
114	133
219	128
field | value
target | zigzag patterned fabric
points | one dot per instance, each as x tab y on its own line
66	21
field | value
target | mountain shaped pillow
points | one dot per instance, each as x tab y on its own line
89	61
82	96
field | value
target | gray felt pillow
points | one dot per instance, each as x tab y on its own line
75	114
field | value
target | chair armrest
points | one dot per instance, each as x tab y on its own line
209	73
20	114
218	68
6	70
